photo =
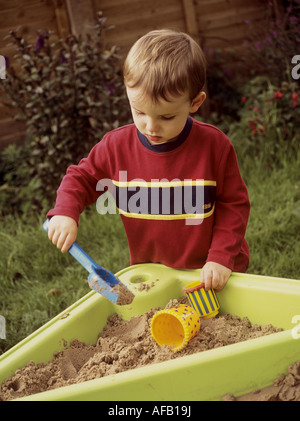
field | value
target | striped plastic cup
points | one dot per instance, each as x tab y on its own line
204	302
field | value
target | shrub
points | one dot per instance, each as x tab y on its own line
20	193
269	121
223	83
70	92
268	48
271	45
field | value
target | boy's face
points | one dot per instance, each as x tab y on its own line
163	121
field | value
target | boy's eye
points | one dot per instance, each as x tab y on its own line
162	117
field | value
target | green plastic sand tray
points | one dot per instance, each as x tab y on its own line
208	375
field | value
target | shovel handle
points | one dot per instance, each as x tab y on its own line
80	255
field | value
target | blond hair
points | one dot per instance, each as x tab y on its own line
165	63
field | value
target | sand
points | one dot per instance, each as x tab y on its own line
125	345
124	295
285	388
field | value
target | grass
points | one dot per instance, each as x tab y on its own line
273	230
37	281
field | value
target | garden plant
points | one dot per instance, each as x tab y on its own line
69	92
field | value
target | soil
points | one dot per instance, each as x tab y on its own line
124	345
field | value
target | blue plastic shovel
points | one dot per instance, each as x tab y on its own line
100	279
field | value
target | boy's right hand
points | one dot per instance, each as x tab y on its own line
62	231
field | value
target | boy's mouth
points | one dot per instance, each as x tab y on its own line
153	138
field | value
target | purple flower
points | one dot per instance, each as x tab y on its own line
258	46
110	87
62	58
39	45
267	40
227	72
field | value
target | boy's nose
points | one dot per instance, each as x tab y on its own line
151	126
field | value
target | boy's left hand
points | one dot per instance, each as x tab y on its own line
214	276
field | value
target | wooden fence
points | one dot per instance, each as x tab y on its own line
213	23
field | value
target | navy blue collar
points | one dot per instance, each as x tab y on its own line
169	146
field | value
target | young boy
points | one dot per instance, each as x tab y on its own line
176	181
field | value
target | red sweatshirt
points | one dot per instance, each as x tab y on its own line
182	203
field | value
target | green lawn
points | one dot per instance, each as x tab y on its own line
38	281
273	230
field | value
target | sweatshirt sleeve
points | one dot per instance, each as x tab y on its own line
231	211
78	188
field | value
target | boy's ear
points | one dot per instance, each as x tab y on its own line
197	102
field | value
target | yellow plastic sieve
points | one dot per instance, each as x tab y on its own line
175	326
